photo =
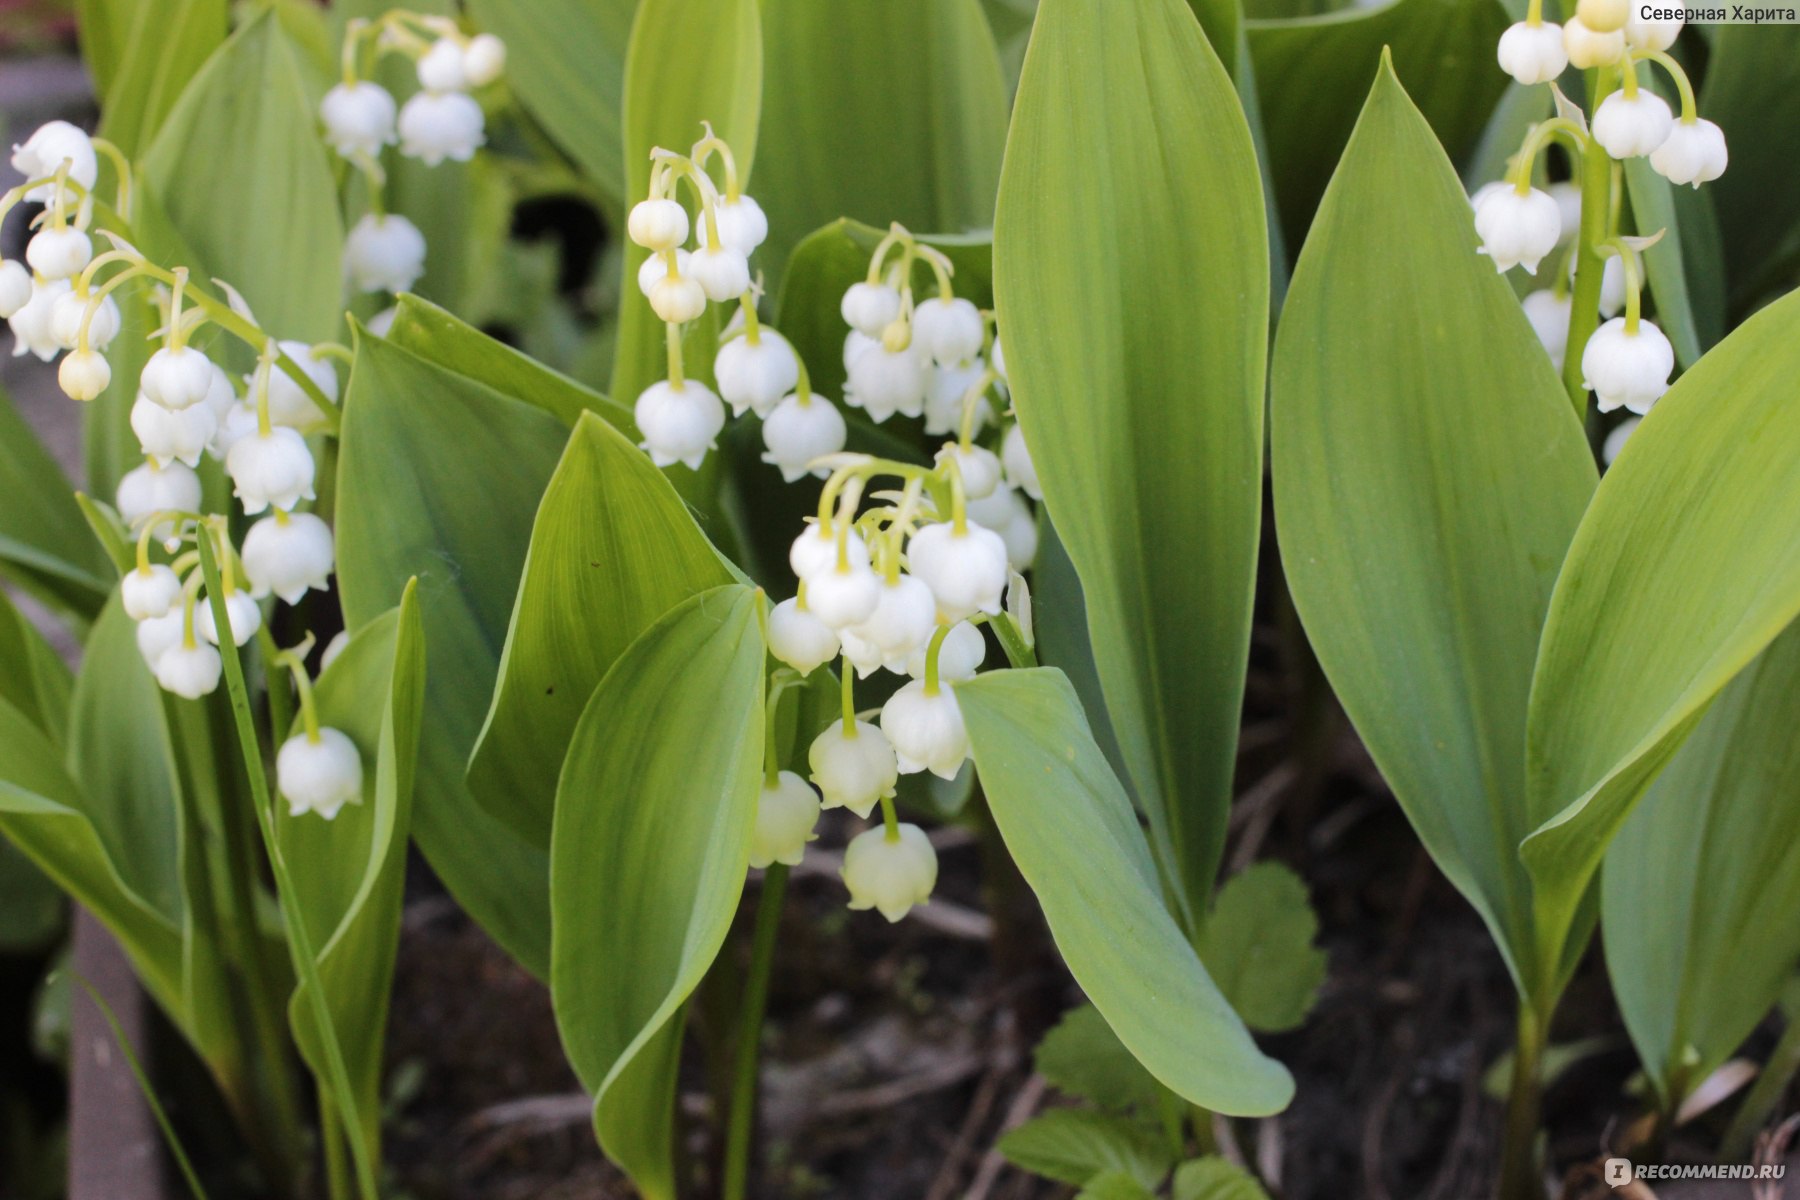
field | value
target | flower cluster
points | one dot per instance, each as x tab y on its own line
1626	362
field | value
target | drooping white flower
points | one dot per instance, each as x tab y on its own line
657	224
31	323
1518	229
679	424
1603	15
189	671
149	489
855	343
484	60
15	287
1533	53
1625	369
1630	126
797	432
966	571
1644	33
755	376
870	308
742	225
66	315
221	397
319	775
1021	472
171	434
945	388
275	468
799	639
84	374
156	636
655	269
1549	317
441	67
959	655
926	730
786	812
978	466
439	125
177	377
995	510
816	551
384	253
853	770
1615	441
149	591
44	152
1588	47
1568	202
238	423
948	330
904	619
288	402
677	299
242	612
1020	534
884	382
864	655
359	118
287	554
890	876
59	253
842	596
723	274
1694	152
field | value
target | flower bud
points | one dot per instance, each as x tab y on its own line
177	377
949	330
657	225
31	321
799	639
15	287
84	375
742	225
150	591
441	67
679	424
755	377
815	551
723	274
926	730
870	308
240	610
1694	152
890	876
287	557
677	299
288	402
275	468
904	619
1518	229
1627	369
785	815
46	150
359	118
439	125
188	671
1630	126
68	312
854	770
59	253
384	253
1644	34
945	388
884	382
319	776
156	636
844	595
1533	53
978	467
1603	16
1589	47
965	571
959	655
1549	317
152	489
171	435
484	60
798	432
1021	472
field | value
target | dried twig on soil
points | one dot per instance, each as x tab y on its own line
1023	1105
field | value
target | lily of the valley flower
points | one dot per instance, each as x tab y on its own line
319	773
1694	153
798	430
869	308
47	149
965	569
1588	47
786	812
679	422
1627	368
1517	228
359	118
384	253
1628	126
949	329
799	639
435	126
288	554
273	468
925	725
754	376
240	610
854	769
149	591
1532	52
890	874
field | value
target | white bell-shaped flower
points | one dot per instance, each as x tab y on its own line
1533	53
1630	126
959	655
657	224
1021	472
384	253
890	876
221	397
1549	317
723	274
45	151
869	308
484	60
855	343
1590	47
1020	534
84	374
66	316
965	570
156	636
677	299
904	619
948	330
177	377
1604	15
679	424
238	423
816	551
842	596
755	376
189	671
359	118
864	655
1615	441
996	510
853	770
1642	32
31	323
1518	229
241	611
742	225
15	287
978	466
59	253
288	402
171	434
149	489
275	468
1694	152
926	730
655	269
1625	369
287	554
945	388
884	382
798	431
439	125
799	639
1568	202
441	67
786	812
319	775
149	591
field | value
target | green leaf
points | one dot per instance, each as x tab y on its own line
349	873
241	170
1134	310
1084	1057
612	550
1215	1179
909	137
1632	654
652	841
33	677
104	27
31	905
1429	474
45	546
1311	70
438	477
166	44
1073	1145
1071	829
1258	947
1115	1185
1753	92
565	60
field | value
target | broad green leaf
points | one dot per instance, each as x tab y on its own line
1633	651
652	840
1073	1145
45	546
1520	108
36	683
612	550
438	477
565	60
242	172
1698	885
1653	209
1429	474
1071	829
1310	72
1214	1179
1258	947
166	44
1084	1057
105	28
1062	630
1115	1185
1753	92
350	871
907	135
1134	308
